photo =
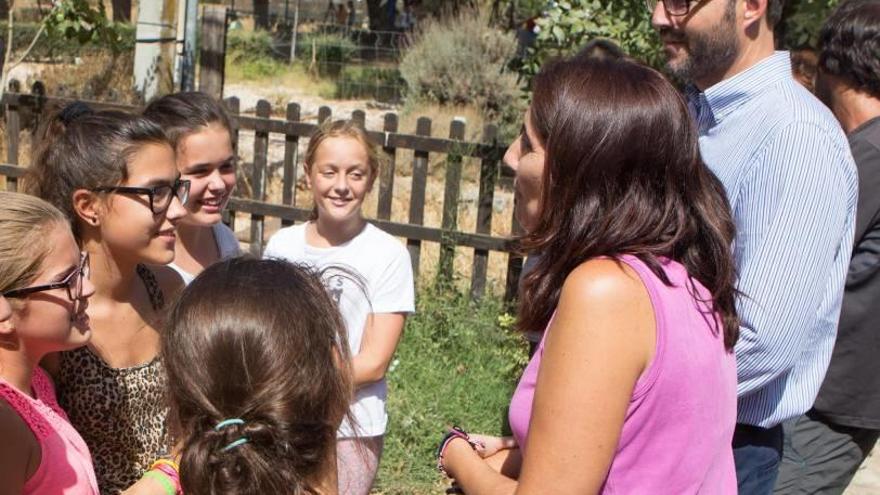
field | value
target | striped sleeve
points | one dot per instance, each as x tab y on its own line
790	214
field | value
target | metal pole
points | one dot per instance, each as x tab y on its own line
190	35
293	32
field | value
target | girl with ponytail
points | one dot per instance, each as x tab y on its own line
259	380
115	178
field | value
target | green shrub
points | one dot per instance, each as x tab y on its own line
330	51
54	44
380	83
568	25
462	60
457	363
243	45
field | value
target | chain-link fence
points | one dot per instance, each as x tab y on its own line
362	63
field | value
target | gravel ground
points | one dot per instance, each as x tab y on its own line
867	480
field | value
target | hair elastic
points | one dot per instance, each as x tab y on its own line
228	422
237	443
73	111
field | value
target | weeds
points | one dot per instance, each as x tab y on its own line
458	363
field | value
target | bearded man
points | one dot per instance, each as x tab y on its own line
792	186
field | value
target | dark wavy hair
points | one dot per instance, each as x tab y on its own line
259	340
181	114
775	10
80	148
850	41
623	175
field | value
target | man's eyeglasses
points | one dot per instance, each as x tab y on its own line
160	196
73	283
673	7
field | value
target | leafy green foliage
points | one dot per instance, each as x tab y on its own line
458	363
380	83
330	51
54	44
569	24
802	20
243	44
78	20
462	60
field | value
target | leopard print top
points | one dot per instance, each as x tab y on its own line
120	412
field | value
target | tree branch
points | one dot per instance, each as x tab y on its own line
30	47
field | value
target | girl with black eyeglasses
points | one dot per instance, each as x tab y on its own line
114	175
44	288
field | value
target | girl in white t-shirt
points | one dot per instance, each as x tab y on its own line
199	127
374	288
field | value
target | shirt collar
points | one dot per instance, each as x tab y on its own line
727	95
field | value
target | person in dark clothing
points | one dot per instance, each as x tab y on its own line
824	448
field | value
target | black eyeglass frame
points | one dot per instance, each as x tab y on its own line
652	4
82	271
176	188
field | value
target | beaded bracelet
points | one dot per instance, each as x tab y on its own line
454	432
163	480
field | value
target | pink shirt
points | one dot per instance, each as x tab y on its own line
65	464
678	428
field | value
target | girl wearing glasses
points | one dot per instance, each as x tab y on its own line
200	130
114	175
44	283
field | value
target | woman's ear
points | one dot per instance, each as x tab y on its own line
308	171
87	206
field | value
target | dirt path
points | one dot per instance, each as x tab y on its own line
867	480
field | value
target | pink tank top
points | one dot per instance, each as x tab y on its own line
678	428
65	464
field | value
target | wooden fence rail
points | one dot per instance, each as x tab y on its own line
23	111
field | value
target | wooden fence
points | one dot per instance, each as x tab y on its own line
23	112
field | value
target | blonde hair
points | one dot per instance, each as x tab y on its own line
346	129
24	222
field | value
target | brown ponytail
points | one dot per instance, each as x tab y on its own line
260	341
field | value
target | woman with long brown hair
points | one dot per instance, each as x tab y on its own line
633	386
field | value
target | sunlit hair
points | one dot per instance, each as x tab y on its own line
25	222
80	148
262	341
623	175
187	112
346	129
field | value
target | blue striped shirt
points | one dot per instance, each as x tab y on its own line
792	185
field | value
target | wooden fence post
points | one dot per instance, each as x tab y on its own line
212	53
13	129
514	264
38	90
386	172
258	180
417	194
360	117
291	148
451	194
486	198
324	114
233	107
